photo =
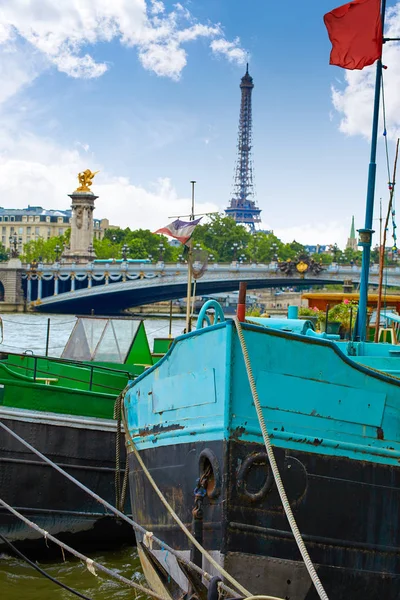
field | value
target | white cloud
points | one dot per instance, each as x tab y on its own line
38	172
355	101
315	233
230	50
59	31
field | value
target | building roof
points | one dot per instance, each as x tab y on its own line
35	211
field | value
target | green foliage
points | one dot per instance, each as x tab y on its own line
254	311
341	313
219	236
305	311
45	250
4	255
140	243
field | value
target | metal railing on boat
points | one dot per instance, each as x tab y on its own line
48	378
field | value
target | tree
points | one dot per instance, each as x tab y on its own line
219	236
265	247
140	243
45	250
4	255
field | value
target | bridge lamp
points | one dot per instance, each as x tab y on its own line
161	249
150	257
242	258
180	258
211	257
234	249
124	250
57	251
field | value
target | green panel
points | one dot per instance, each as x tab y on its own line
38	396
139	353
161	345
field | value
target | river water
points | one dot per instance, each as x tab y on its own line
19	581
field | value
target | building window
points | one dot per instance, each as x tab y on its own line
3	240
3	229
11	229
6	218
20	230
12	218
60	231
1	218
37	230
28	230
48	231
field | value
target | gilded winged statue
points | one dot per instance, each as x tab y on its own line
85	179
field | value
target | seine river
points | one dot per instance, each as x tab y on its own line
18	581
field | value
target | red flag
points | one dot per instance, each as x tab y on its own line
355	30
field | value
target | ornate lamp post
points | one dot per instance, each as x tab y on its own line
211	257
242	258
274	247
125	250
234	249
57	251
150	257
161	249
180	258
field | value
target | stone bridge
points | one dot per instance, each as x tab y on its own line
109	288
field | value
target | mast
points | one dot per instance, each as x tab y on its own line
382	247
189	280
366	233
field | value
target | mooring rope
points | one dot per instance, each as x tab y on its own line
275	470
90	564
171	511
118	513
42	571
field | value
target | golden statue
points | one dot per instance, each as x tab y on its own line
85	180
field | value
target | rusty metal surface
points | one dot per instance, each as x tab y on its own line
348	512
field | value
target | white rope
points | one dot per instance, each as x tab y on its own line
277	476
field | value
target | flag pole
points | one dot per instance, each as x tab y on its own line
189	280
366	233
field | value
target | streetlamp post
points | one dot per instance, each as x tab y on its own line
161	249
57	251
125	250
234	249
150	257
274	247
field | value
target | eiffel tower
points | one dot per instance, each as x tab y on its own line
242	206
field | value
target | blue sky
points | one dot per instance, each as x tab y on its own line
149	94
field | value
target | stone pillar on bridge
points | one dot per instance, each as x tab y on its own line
11	296
81	243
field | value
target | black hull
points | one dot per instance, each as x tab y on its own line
47	498
347	511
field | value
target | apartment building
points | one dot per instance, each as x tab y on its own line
36	222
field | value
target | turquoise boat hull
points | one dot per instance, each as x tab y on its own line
333	414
